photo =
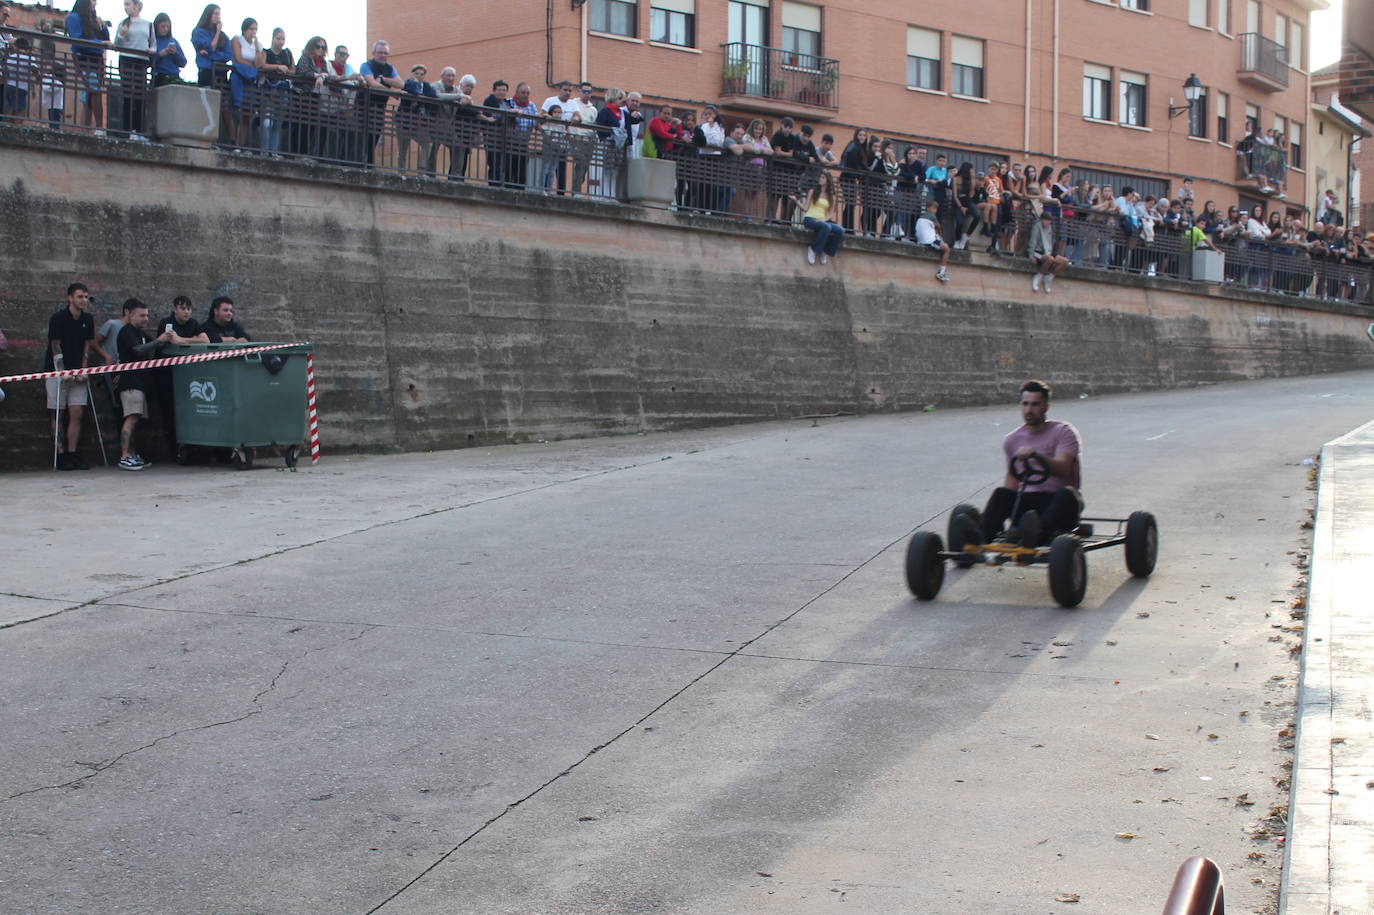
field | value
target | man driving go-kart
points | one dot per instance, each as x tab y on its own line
1053	504
1039	495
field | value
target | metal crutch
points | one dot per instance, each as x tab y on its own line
95	414
56	422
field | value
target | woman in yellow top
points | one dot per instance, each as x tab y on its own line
820	201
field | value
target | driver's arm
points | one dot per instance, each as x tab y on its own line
1060	465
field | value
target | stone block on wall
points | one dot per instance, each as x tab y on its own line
186	115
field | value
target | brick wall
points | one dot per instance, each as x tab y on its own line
1357	78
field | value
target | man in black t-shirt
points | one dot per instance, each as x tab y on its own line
221	327
185	329
786	172
133	386
71	345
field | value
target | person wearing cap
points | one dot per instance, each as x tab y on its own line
415	121
1047	263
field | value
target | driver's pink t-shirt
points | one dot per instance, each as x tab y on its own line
1053	438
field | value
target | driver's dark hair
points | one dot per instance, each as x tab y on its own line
1036	386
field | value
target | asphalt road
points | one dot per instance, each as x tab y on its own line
674	673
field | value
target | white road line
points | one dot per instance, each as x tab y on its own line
1155	438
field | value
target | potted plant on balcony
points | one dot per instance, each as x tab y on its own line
822	87
734	76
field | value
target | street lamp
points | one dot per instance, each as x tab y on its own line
1192	91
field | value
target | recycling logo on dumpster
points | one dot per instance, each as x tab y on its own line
204	390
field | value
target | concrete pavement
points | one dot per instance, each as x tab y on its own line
667	673
1329	869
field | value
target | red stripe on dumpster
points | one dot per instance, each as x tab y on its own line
314	416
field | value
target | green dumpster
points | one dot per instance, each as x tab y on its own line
242	402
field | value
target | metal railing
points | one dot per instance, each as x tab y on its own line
1198	889
1260	160
781	75
1264	56
60	83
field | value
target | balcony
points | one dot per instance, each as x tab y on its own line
778	81
1263	62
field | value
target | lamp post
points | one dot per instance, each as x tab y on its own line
1192	91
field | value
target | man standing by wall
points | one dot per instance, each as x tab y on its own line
222	328
71	345
133	386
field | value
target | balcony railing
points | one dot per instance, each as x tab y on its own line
1263	61
780	75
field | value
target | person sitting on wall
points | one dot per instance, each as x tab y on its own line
221	326
1042	255
928	236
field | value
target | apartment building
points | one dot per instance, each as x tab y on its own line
1097	84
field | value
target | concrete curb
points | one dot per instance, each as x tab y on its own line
1328	867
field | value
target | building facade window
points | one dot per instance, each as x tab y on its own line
1197	13
1097	92
1197	117
1297	49
1223	126
1224	16
966	70
673	22
801	34
1295	145
923	58
1135	5
1133	98
1281	36
615	17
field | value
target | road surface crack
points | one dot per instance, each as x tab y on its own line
256	709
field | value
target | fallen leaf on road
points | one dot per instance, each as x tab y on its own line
1161	768
1244	712
1213	736
1152	737
1111	641
1256	856
1126	835
1067	897
1142	614
1243	800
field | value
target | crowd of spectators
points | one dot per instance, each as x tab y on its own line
317	105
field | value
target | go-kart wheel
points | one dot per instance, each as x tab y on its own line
1142	544
1068	570
242	458
925	570
1029	470
962	532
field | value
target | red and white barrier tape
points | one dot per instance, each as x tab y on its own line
148	363
310	403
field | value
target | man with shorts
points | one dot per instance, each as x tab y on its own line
1051	505
133	386
1042	255
71	345
928	236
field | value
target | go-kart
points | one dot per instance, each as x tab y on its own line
1065	555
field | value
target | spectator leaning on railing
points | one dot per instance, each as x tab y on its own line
91	38
134	34
169	57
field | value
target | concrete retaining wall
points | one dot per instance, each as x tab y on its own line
446	315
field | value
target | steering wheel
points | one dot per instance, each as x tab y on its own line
1030	470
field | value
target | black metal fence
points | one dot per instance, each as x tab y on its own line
59	84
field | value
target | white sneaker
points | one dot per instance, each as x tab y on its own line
824	259
810	256
1150	271
130	463
1049	281
138	138
941	275
99	132
1035	282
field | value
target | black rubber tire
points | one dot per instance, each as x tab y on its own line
953	538
1068	570
242	459
184	455
1142	544
925	570
293	454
